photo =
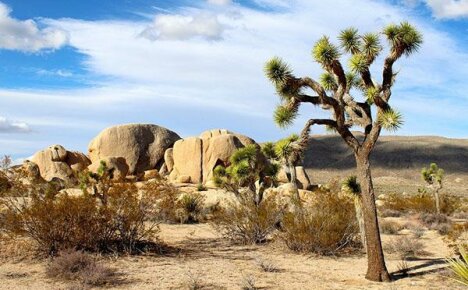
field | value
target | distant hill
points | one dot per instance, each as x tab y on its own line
396	160
391	152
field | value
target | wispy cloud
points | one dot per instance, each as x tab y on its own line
9	126
26	36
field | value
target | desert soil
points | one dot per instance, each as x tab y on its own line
198	253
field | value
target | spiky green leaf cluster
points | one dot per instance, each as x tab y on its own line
324	52
278	71
371	46
287	90
248	153
390	120
268	149
328	82
433	174
285	115
284	148
403	38
352	186
350	40
371	94
352	80
358	63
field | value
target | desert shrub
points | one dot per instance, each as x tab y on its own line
406	247
457	236
243	221
325	225
438	222
78	266
390	227
114	222
422	202
385	212
190	208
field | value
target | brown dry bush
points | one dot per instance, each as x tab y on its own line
390	227
326	225
438	222
113	222
244	222
406	247
422	202
457	236
73	265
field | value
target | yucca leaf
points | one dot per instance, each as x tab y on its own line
278	71
284	116
358	63
324	52
352	186
390	120
350	40
371	46
328	82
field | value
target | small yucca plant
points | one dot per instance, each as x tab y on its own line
459	267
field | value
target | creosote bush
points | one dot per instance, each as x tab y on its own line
77	266
326	225
242	221
422	202
405	247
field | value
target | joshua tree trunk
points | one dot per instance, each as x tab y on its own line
292	169
437	200
376	269
360	219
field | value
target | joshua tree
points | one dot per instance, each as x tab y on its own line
289	151
250	169
352	187
333	93
433	176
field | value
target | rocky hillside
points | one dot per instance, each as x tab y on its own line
396	161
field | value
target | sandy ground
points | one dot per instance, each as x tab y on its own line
199	254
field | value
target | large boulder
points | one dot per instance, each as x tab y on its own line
187	155
141	145
56	162
196	157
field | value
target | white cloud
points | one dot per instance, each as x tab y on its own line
183	27
220	2
8	126
442	9
26	35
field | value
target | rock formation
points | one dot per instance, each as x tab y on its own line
141	145
56	162
193	159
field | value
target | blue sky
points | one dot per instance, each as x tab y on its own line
69	69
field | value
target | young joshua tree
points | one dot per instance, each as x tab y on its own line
333	93
433	176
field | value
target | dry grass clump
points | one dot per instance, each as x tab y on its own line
457	237
406	247
422	202
77	266
244	222
390	227
324	226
